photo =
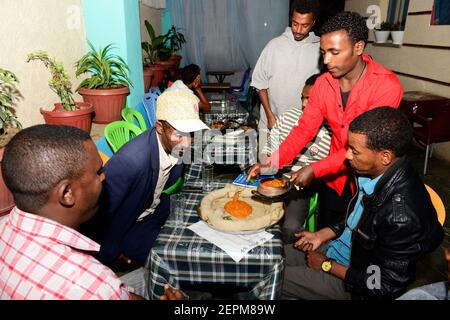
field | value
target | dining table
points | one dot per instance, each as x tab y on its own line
181	258
220	75
230	146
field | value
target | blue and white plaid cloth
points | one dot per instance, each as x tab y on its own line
181	257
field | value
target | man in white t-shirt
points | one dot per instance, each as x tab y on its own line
285	64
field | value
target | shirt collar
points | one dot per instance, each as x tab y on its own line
166	161
37	226
367	185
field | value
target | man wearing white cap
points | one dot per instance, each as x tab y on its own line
133	204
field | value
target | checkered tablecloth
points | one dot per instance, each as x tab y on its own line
214	148
241	150
226	110
180	257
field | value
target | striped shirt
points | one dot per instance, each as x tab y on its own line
316	150
41	259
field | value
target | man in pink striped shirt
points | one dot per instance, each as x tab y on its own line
54	173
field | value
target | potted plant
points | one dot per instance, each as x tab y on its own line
397	33
382	33
9	126
153	73
175	39
67	111
108	86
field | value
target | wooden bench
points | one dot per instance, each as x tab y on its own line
214	86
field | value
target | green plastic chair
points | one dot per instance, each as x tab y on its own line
175	188
118	133
310	222
131	115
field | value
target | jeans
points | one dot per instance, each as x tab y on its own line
434	291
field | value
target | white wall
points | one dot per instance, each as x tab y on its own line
153	16
55	26
430	63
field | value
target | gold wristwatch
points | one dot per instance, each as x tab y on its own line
327	265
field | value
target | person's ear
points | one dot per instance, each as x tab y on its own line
159	127
386	157
359	47
66	195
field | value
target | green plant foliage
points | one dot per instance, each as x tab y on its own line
175	39
156	48
398	26
9	95
384	26
60	81
107	70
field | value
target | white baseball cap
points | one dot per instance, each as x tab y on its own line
180	109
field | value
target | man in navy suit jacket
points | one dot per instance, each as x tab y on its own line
133	206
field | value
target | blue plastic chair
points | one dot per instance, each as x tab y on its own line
149	102
242	95
103	146
155	90
241	88
141	108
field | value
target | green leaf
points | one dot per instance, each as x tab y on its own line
107	69
150	30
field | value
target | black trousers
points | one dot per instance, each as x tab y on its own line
332	207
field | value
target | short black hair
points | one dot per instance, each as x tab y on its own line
38	158
311	80
352	22
386	128
189	73
305	6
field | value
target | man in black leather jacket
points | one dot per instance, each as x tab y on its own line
391	226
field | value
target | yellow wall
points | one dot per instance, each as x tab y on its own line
423	62
55	26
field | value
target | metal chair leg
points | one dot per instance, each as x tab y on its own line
426	160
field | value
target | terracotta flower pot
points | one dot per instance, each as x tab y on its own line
177	58
6	198
107	103
81	118
153	75
170	66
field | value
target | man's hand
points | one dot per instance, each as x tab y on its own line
271	120
314	260
197	82
255	170
308	241
303	177
124	259
172	294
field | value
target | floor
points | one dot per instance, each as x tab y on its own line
433	267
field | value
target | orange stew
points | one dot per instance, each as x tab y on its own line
277	183
238	208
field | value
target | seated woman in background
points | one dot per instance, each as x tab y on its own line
190	81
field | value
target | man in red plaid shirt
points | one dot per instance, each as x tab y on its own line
54	173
